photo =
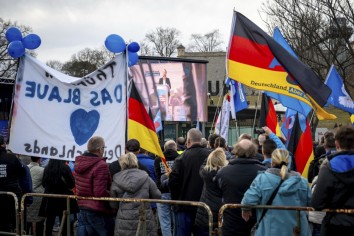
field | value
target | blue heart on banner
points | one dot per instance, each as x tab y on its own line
83	124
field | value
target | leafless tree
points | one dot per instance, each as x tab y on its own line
320	32
209	42
145	49
8	65
55	64
165	40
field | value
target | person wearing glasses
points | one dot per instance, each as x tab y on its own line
94	180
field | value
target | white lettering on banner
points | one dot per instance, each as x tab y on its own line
55	115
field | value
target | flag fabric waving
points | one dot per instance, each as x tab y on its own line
268	116
303	107
238	100
289	121
141	126
339	96
254	58
300	144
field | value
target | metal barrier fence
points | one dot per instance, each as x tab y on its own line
142	219
293	208
16	213
142	212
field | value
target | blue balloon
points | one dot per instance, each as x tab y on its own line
13	34
132	58
133	47
16	49
115	43
31	41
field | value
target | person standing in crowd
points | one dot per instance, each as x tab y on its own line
211	194
221	142
233	181
93	180
164	210
133	146
181	145
267	149
289	189
57	179
131	182
11	170
185	182
334	188
37	222
329	148
211	140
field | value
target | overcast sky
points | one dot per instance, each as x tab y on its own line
67	26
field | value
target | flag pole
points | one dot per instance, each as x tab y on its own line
255	113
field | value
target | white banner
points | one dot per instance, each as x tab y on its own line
54	115
222	123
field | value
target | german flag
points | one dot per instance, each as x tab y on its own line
300	145
257	60
141	126
268	116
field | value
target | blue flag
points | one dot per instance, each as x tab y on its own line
288	123
238	100
286	101
339	96
158	122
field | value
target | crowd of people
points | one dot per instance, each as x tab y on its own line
252	172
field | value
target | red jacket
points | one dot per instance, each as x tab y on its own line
93	180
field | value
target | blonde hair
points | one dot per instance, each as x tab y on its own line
128	161
216	159
280	158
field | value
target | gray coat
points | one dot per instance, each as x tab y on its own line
37	176
133	183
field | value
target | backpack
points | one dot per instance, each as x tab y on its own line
314	167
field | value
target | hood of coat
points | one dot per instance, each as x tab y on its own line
86	163
291	183
342	166
130	180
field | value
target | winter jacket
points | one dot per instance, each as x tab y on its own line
93	180
148	162
234	180
170	156
211	195
185	182
11	170
133	183
61	185
37	176
334	188
294	191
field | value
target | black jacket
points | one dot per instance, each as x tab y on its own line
11	170
185	182
334	188
234	180
170	156
211	195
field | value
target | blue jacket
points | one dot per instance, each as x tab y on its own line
334	188
294	191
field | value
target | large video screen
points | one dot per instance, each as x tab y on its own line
175	88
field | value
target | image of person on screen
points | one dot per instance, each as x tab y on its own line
164	79
189	93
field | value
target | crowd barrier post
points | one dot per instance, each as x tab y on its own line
17	214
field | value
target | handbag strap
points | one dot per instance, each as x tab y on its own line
270	201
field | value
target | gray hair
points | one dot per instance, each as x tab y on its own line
194	135
170	145
95	143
